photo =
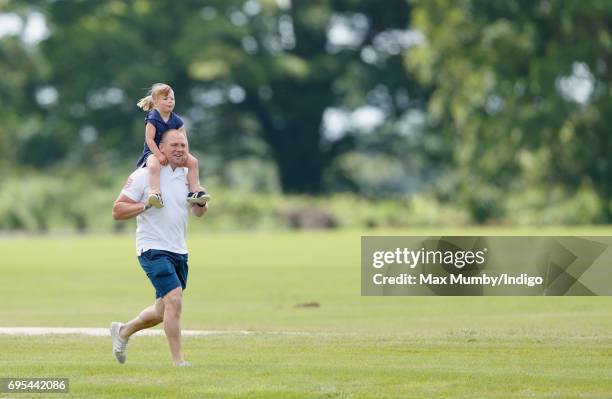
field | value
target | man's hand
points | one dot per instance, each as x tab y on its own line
198	211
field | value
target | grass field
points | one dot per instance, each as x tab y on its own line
349	347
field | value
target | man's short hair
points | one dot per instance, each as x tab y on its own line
164	134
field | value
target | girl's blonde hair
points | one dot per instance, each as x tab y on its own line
158	89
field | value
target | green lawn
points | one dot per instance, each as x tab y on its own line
350	346
273	366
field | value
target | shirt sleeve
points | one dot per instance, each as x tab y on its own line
135	185
152	118
178	122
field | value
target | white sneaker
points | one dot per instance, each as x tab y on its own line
183	364
155	200
119	344
198	198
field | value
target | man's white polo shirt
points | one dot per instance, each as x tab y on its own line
164	228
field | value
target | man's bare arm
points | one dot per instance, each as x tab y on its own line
127	208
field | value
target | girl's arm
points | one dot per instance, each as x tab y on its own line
150	140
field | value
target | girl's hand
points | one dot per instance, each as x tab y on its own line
163	160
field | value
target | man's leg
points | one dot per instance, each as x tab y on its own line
173	302
120	333
149	317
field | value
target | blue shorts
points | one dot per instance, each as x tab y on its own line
166	270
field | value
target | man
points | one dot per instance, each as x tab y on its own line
160	245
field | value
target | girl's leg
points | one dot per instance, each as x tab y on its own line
193	175
198	194
154	169
155	198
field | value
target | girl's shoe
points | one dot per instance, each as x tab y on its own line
200	198
155	200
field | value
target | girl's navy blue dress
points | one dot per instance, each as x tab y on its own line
153	117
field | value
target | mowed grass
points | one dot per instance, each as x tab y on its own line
276	366
350	346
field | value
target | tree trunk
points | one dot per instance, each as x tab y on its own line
300	160
292	130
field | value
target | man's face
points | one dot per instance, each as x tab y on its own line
174	147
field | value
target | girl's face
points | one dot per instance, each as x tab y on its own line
165	103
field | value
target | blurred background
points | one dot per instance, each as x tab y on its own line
314	114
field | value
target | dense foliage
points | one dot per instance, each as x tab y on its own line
498	109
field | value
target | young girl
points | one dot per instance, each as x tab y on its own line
159	103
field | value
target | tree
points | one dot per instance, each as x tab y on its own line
21	69
520	95
250	76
